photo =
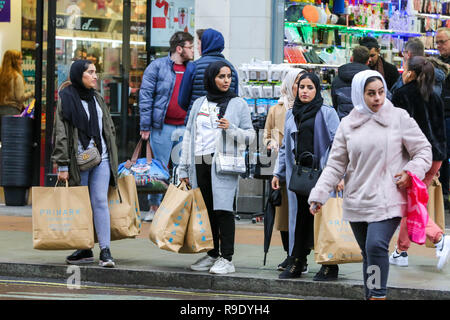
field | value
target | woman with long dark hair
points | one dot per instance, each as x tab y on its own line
375	146
310	125
218	116
82	122
426	107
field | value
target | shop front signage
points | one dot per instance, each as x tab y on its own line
5	10
82	23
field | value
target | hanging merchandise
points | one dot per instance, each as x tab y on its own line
391	22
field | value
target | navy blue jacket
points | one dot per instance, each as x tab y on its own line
192	86
155	93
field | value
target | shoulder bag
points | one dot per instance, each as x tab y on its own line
230	164
303	178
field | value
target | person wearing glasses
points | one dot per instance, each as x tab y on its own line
415	48
443	45
161	118
192	87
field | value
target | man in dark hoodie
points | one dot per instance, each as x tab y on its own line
192	87
341	86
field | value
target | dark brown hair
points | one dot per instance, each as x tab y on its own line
179	39
424	71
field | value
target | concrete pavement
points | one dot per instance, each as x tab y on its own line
140	262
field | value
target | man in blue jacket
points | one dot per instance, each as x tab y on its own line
192	88
160	113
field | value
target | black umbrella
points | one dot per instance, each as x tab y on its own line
273	201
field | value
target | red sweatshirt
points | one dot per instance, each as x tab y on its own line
175	114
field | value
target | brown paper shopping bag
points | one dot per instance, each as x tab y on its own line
435	206
62	218
198	236
334	242
170	222
124	209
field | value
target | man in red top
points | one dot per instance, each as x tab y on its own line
161	118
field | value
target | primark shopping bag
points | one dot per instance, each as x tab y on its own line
62	218
170	222
124	209
334	242
435	207
198	236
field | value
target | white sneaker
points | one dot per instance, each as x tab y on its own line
204	263
399	259
443	251
222	266
148	217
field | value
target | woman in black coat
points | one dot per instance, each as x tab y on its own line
426	107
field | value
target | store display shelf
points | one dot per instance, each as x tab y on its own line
432	51
353	29
313	65
26	44
317	45
433	16
142	43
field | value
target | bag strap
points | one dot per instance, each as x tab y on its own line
137	152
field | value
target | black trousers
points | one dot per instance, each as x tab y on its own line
304	230
222	222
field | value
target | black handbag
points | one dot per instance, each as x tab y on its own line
304	178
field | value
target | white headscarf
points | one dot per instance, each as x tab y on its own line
287	95
358	83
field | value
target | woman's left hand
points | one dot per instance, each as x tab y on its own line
223	123
403	180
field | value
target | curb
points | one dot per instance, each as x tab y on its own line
342	289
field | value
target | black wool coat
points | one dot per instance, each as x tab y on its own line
428	115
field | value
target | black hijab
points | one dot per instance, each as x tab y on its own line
213	93
304	115
304	111
73	111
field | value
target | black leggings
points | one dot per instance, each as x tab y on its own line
304	230
222	222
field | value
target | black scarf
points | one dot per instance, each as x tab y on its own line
213	93
73	111
305	115
304	111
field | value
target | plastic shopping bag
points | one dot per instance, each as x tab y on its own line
417	214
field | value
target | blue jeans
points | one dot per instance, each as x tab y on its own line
373	238
97	179
166	146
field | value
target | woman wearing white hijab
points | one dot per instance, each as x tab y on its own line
374	146
273	137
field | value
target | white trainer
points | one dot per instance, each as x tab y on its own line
222	266
443	251
399	259
204	263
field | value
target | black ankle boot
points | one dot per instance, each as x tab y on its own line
327	273
294	270
287	262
